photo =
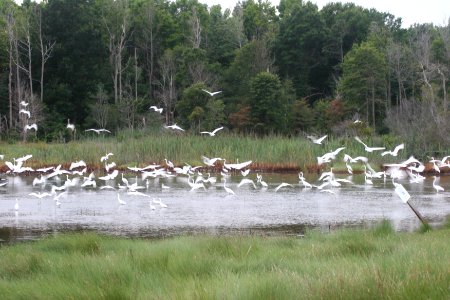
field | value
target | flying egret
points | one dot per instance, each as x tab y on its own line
316	140
212	133
328	157
23	103
174	127
70	126
159	110
212	94
106	157
283	184
109	166
77	164
26	112
246	181
40	195
32	126
245	172
210	161
395	151
367	148
98	131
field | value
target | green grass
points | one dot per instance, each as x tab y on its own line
347	264
272	151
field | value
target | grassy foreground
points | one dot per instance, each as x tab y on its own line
269	153
348	264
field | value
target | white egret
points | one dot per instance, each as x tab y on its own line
316	140
40	195
106	157
227	189
210	161
23	103
395	151
26	112
174	127
246	181
98	131
159	110
260	181
32	126
367	148
245	172
328	157
237	166
212	94
70	126
283	184
169	163
77	164
437	187
212	133
121	202
41	180
109	166
16	206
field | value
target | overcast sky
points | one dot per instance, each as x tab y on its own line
411	11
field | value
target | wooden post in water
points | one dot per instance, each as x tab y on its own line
405	196
417	214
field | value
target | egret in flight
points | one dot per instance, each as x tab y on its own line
367	148
174	127
395	151
159	110
26	112
98	131
212	94
316	140
212	133
32	126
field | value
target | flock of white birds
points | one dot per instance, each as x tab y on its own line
76	175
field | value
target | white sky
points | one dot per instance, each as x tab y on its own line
411	11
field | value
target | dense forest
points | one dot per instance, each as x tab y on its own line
287	70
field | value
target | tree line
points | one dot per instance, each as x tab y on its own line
287	69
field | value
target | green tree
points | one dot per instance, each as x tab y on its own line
362	84
266	108
298	49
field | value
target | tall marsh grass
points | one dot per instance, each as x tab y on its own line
348	264
154	147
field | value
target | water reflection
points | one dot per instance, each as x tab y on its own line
261	210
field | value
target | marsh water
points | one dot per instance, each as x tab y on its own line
287	211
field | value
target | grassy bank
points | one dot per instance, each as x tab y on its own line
270	153
375	264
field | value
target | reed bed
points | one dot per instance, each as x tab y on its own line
269	153
347	264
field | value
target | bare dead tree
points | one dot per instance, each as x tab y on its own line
196	29
150	33
100	110
237	25
167	90
45	48
10	23
116	20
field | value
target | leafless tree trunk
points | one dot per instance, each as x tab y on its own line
117	24
237	25
46	49
167	88
11	37
149	36
196	29
100	110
